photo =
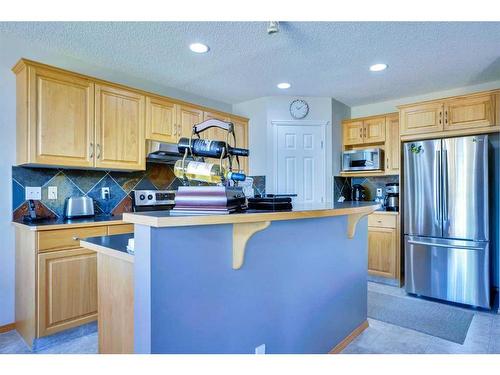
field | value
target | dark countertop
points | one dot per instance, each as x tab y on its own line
86	221
115	245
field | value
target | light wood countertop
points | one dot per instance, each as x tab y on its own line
161	219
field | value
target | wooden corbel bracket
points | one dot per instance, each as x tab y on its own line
242	232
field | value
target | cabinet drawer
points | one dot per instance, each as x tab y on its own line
67	238
120	229
384	221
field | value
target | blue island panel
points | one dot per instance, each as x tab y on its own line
302	288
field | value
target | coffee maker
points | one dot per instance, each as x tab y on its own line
391	201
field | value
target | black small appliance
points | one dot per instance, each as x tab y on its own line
358	193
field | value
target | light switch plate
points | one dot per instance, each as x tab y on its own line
52	192
33	192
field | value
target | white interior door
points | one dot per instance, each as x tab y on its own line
300	157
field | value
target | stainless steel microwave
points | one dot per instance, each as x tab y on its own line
363	160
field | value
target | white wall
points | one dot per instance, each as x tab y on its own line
391	105
256	111
11	50
263	111
340	112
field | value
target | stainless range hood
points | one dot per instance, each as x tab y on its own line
163	152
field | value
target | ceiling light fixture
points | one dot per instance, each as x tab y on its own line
198	47
378	67
284	85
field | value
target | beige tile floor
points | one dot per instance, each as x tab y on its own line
380	337
383	338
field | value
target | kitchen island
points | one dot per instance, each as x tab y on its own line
279	282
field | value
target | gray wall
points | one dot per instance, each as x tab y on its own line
11	50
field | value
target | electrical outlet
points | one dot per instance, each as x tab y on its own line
261	349
52	192
105	193
379	192
33	192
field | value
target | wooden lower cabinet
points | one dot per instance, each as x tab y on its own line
67	289
116	305
56	279
383	246
381	253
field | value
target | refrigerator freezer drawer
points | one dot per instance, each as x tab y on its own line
452	270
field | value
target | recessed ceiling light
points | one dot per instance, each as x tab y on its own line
284	85
378	67
198	47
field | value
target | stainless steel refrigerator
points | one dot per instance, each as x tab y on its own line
446	219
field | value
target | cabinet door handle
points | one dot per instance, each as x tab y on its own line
98	151
446	116
440	116
387	162
91	150
76	238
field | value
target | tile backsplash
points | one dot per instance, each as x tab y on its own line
372	183
76	182
343	185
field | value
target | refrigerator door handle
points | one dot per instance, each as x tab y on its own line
413	242
437	189
445	187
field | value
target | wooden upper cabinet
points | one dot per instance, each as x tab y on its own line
352	132
70	120
241	133
61	120
467	112
215	133
119	128
161	120
187	116
374	130
422	118
392	144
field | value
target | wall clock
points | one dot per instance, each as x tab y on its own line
299	109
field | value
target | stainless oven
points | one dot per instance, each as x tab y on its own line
363	160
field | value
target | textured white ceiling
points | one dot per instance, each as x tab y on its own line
317	58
